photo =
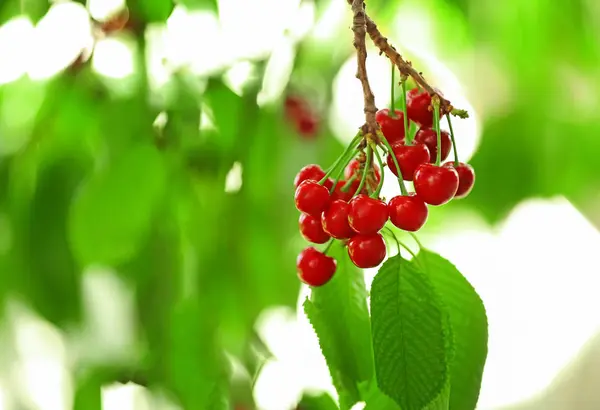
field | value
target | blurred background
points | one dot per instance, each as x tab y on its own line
147	228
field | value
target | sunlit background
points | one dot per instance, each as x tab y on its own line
527	239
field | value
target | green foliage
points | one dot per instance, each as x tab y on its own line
410	337
317	402
211	5
338	313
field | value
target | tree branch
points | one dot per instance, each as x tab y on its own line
359	27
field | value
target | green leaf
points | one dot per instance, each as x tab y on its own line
410	337
227	111
210	5
111	216
375	399
338	313
317	402
151	10
88	395
469	328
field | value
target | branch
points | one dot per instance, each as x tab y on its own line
359	24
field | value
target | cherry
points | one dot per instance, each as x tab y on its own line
315	268
335	220
312	172
367	215
344	196
307	125
436	185
354	167
417	107
366	251
428	137
311	198
409	157
408	212
466	178
391	127
311	229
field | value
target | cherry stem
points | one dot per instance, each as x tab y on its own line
348	183
341	169
328	246
400	243
436	122
366	170
390	151
456	162
393	235
344	155
380	185
392	93
405	112
416	240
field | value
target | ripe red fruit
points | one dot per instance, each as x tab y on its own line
354	168
428	137
408	212
344	196
391	127
335	220
466	178
417	107
409	158
311	198
436	185
311	229
366	251
307	125
315	268
312	172
367	215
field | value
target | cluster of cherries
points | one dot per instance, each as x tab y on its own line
336	210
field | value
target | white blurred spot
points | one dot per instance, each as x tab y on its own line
113	58
238	75
59	38
161	120
335	15
275	388
103	9
125	397
303	21
359	406
233	181
277	72
15	41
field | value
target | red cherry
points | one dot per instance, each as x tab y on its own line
428	137
335	220
417	107
366	251
344	196
328	184
312	172
307	125
391	127
408	212
367	215
436	185
354	168
315	268
409	157
466	178
311	229
311	198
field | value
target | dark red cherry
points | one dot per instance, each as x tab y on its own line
466	178
436	185
367	215
311	229
408	212
409	158
366	251
312	172
418	104
335	220
391	127
428	137
311	198
315	268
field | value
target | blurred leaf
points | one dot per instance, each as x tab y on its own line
410	337
192	5
151	10
110	217
338	313
34	9
227	112
469	327
322	401
88	394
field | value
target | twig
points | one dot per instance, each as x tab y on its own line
359	24
405	67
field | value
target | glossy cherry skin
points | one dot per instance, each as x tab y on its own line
354	168
391	127
344	196
417	107
366	251
311	229
335	220
312	172
311	198
409	158
466	178
315	268
428	137
367	215
408	212
436	185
